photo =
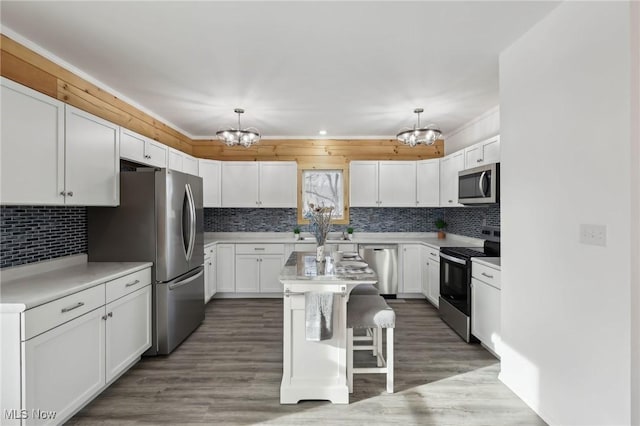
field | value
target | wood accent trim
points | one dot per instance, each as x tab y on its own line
39	73
335	151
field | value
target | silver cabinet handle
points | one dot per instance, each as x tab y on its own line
71	308
451	201
110	314
132	283
70	193
479	160
63	193
104	317
258	248
432	254
487	275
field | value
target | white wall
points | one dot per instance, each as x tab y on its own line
566	131
635	212
480	128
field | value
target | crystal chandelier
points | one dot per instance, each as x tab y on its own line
245	137
425	135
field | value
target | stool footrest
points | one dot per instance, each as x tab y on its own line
371	370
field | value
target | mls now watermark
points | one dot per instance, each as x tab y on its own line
35	414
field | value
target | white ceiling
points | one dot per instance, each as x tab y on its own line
356	69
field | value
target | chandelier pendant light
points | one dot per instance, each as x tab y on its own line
419	135
245	137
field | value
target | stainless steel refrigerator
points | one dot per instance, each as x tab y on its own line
160	220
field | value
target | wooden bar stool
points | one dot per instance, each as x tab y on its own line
370	312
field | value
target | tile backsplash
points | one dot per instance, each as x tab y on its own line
464	220
34	233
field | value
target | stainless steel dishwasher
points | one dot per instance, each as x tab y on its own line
383	259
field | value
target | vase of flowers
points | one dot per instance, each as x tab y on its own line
320	224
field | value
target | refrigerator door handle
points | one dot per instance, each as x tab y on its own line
177	284
192	222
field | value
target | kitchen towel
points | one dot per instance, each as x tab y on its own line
318	307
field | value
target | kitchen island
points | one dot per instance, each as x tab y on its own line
316	369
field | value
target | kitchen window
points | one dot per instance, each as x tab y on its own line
323	187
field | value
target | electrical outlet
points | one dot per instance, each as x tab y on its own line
594	235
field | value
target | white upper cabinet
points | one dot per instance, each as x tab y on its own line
142	149
55	154
32	147
259	184
189	164
428	183
240	184
182	162
363	189
278	184
382	183
397	183
209	171
92	161
449	168
175	159
485	152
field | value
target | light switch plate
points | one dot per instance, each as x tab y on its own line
594	235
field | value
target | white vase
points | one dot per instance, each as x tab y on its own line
320	254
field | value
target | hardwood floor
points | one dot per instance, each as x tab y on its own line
229	372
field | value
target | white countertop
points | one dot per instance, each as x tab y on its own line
427	238
491	262
27	291
302	267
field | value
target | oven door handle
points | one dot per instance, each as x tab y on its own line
453	259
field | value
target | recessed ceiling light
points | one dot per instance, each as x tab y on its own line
322	132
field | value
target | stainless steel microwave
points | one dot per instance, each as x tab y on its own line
479	185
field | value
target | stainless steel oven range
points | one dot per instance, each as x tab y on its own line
455	281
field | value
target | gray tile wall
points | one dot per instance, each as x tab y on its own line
34	233
464	221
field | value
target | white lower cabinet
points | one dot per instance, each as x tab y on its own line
270	267
73	348
258	267
247	273
225	268
411	261
128	331
433	275
64	368
209	272
485	306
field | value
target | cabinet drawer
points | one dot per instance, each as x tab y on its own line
125	285
259	248
45	317
486	274
433	254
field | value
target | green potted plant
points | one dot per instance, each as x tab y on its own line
441	225
296	233
350	233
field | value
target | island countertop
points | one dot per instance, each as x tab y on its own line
302	267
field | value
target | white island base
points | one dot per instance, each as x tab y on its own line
315	370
